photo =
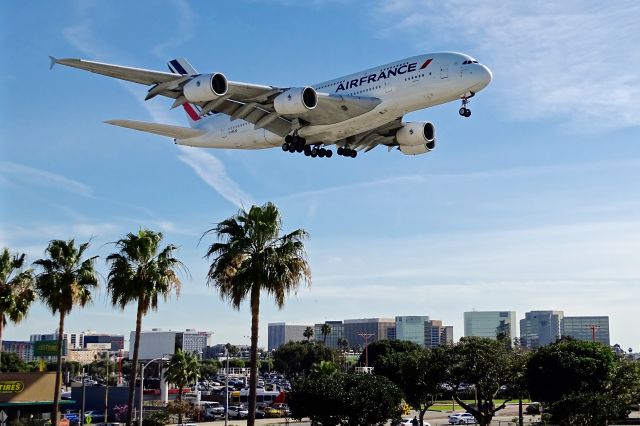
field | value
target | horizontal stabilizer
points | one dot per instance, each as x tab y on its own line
175	132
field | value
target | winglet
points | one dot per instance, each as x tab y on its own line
53	61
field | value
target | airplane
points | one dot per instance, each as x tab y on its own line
357	112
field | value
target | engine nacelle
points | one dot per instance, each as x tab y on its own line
416	138
297	100
206	87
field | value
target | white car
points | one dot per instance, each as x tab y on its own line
238	412
462	419
408	422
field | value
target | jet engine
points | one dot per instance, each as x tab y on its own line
416	138
297	100
206	87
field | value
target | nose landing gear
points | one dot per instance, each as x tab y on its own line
464	111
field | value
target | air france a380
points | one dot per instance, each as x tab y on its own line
356	113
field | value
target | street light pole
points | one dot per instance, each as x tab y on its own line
142	385
226	388
106	391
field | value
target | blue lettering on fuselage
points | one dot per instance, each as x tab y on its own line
372	78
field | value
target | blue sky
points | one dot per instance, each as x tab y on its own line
532	203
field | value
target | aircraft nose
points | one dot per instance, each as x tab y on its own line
484	75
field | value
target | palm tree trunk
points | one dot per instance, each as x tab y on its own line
134	367
1	330
56	391
255	313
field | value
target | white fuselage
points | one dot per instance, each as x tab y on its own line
403	86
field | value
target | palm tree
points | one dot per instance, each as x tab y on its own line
141	272
325	329
66	280
182	370
308	333
16	289
251	256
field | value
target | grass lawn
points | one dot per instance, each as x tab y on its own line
450	405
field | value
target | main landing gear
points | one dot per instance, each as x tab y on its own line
347	152
464	111
294	143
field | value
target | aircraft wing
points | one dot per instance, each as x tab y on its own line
247	101
366	141
175	132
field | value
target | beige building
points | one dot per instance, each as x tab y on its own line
84	356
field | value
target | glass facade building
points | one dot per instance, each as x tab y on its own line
280	333
376	327
490	324
539	328
335	335
590	328
411	328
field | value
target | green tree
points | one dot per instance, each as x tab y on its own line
250	257
584	383
308	333
16	289
209	368
421	376
325	329
483	363
384	356
65	280
12	363
347	399
141	272
296	358
183	369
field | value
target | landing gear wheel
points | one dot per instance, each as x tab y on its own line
329	153
285	146
353	153
292	148
467	113
321	152
340	150
462	111
288	139
299	148
314	152
307	150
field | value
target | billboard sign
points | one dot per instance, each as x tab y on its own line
27	387
48	348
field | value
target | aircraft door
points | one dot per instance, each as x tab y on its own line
444	71
388	88
223	133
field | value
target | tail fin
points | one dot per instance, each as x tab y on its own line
183	67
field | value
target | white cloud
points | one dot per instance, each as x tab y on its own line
567	60
212	171
11	172
182	32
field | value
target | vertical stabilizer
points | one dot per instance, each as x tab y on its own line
183	67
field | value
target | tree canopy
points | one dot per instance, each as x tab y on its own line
295	358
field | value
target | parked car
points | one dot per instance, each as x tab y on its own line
408	421
272	412
533	408
462	419
238	412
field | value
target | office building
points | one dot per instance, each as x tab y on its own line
366	330
411	328
280	333
158	343
539	328
110	342
590	328
490	324
436	334
23	349
335	335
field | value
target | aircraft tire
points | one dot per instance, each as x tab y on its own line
467	113
288	139
340	150
329	153
307	150
285	146
462	111
300	148
353	153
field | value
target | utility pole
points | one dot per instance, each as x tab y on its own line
366	336
594	328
